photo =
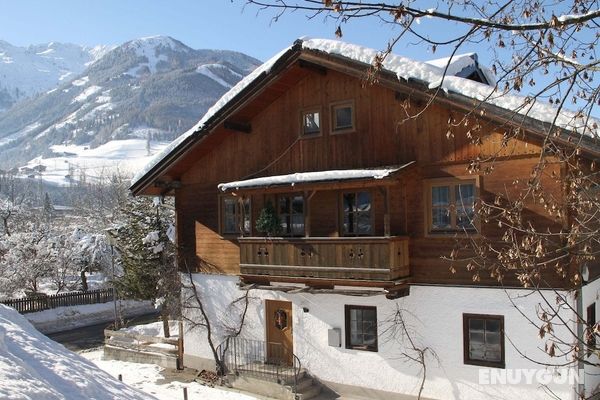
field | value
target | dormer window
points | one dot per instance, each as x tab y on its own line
342	117
311	123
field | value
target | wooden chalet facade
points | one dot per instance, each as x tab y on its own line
367	199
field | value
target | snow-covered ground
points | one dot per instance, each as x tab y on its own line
67	318
35	367
151	379
122	156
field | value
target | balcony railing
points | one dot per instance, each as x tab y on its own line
364	258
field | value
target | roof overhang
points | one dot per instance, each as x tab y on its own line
149	182
331	179
157	181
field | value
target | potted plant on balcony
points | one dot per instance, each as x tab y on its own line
268	222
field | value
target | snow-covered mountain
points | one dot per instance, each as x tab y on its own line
26	71
139	95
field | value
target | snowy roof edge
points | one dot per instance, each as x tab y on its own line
404	68
300	178
231	96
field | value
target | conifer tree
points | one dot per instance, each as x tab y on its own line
147	256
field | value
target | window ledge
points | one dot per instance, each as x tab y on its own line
449	234
481	363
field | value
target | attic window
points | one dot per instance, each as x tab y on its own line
342	117
311	122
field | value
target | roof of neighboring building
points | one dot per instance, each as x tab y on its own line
450	75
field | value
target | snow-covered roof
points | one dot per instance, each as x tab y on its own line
434	77
234	91
313	177
462	65
430	74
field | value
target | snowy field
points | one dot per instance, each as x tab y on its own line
117	156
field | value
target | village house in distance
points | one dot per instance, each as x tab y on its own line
356	205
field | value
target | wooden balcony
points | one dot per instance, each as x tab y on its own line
339	258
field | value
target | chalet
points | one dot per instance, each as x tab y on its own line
310	190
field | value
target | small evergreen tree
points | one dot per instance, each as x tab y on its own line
268	221
147	257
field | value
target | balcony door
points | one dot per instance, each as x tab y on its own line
279	332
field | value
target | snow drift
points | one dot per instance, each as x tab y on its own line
35	367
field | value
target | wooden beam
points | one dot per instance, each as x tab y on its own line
386	207
238	126
325	185
308	195
300	268
321	70
250	278
398	293
315	290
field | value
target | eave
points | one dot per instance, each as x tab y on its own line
144	186
157	180
318	180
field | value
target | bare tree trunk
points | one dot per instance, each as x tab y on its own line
84	284
164	315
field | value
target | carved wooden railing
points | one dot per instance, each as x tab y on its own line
366	258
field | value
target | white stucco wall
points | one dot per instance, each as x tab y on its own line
435	314
590	294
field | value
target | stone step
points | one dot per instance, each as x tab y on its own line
287	379
303	383
309	392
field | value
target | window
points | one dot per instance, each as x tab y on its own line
451	205
311	123
291	214
236	216
357	213
246	218
590	334
361	327
484	340
342	117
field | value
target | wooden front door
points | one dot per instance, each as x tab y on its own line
279	332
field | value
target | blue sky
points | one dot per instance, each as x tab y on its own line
222	24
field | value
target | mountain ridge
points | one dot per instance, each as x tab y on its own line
151	89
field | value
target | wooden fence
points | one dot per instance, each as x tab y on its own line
45	302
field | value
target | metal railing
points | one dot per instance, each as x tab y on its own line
271	361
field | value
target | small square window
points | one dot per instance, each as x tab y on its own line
361	327
311	123
483	337
342	116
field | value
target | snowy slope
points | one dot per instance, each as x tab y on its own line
35	367
71	163
146	90
26	71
